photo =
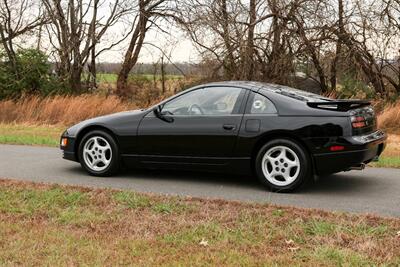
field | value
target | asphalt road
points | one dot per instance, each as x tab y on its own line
374	190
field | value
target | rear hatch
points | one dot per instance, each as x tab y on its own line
362	115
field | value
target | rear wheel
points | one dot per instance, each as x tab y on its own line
282	165
98	154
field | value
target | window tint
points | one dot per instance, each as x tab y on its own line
206	101
261	105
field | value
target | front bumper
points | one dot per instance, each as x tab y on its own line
68	150
359	149
69	156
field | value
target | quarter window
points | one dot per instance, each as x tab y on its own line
205	101
261	105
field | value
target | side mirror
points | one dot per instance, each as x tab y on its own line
162	116
157	111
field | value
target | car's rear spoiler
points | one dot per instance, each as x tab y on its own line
339	105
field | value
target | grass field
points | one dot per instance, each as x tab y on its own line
43	225
20	134
50	136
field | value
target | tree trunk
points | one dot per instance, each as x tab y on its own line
8	47
75	82
122	82
333	79
162	75
249	57
229	65
132	53
93	71
273	69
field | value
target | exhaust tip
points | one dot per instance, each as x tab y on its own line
358	167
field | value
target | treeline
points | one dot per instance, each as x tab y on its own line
179	69
343	45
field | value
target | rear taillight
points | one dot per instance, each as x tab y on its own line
336	148
358	121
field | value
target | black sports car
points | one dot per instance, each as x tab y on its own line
282	134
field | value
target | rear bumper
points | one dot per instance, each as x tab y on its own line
361	149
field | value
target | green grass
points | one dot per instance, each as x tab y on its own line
132	200
387	162
340	257
30	135
43	225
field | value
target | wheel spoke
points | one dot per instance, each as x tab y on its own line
95	162
271	159
286	176
273	173
292	163
106	147
96	142
105	161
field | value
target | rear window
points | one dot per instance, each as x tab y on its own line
295	93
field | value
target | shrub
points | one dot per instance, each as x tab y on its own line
31	74
389	118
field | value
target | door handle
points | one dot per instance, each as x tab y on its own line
229	127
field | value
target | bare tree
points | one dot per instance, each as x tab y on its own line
148	11
76	29
389	51
17	17
339	43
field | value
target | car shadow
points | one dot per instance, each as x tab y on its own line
341	183
180	176
344	182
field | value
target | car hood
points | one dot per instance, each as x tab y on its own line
109	121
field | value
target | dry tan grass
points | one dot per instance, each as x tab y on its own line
389	118
393	146
62	110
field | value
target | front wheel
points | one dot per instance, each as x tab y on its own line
98	154
282	165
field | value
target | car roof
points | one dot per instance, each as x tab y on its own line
273	88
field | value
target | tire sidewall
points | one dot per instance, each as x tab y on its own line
304	165
114	164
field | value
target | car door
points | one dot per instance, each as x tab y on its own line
202	127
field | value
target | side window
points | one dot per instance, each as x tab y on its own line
183	104
207	101
259	104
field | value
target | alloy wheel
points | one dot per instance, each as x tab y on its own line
280	165
97	153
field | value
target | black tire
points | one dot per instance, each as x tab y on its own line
114	164
304	160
